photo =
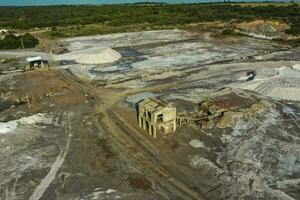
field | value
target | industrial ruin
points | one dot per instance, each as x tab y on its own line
35	62
218	131
222	112
154	114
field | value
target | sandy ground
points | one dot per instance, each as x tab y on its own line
90	56
92	148
164	60
278	82
66	156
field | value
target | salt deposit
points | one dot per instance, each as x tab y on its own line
199	162
260	36
125	39
280	83
100	193
8	127
287	72
275	88
35	119
91	56
287	93
296	66
11	126
197	143
158	55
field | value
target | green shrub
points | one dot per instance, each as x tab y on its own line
29	41
295	28
10	42
15	42
56	34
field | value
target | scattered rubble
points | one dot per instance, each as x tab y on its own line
225	108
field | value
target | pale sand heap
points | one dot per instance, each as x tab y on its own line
33	120
284	85
91	56
296	66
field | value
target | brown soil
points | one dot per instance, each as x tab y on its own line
139	181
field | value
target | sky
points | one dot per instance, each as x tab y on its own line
59	2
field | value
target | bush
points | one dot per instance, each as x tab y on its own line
10	42
15	42
56	34
295	28
29	41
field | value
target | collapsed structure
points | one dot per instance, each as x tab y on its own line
154	114
220	112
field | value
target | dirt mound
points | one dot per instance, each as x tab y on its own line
263	29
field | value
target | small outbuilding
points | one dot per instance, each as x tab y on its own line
36	62
154	114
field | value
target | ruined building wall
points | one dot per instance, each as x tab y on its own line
153	116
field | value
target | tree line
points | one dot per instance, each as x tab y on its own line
133	14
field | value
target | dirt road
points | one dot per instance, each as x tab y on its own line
154	164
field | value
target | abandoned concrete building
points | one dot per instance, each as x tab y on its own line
155	115
36	61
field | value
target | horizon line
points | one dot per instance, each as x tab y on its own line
155	2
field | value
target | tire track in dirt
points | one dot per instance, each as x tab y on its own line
107	99
48	179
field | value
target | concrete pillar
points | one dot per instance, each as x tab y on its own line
154	118
150	129
144	123
174	126
154	132
140	121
